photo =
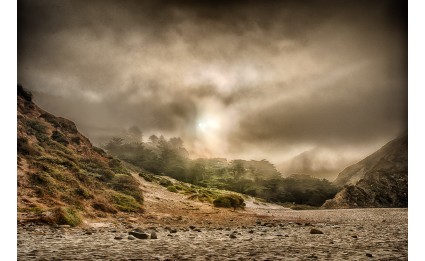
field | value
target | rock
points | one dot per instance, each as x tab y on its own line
153	235
118	238
138	230
197	230
173	230
232	236
251	231
354	236
130	237
192	227
369	255
64	226
139	235
315	231
312	256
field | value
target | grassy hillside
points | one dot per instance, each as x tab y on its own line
62	177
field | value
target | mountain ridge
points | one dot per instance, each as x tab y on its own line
379	180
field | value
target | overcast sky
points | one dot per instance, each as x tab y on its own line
236	79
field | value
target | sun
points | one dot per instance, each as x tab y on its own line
208	125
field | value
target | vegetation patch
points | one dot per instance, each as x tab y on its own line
229	201
24	148
59	137
125	203
66	216
172	189
104	207
126	184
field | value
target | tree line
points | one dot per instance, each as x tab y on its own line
256	178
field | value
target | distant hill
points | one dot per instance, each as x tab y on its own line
380	180
316	163
62	177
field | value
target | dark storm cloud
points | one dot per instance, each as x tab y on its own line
276	75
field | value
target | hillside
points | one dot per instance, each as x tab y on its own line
380	180
315	162
62	177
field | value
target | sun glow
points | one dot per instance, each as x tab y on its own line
208	125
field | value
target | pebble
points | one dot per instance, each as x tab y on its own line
315	231
139	235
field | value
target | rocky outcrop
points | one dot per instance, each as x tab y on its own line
379	180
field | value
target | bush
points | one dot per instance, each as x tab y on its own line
165	182
66	216
147	177
104	207
229	201
76	140
125	203
24	148
172	189
59	137
51	119
98	150
117	167
127	185
84	193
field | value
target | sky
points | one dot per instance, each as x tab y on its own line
273	80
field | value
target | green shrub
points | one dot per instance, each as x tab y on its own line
76	140
35	126
99	150
51	119
106	174
41	178
229	201
172	189
67	125
117	167
164	182
59	137
67	216
104	207
125	203
24	148
127	185
147	177
84	193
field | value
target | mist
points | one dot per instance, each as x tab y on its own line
237	79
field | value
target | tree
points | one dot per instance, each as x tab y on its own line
135	133
237	168
114	143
